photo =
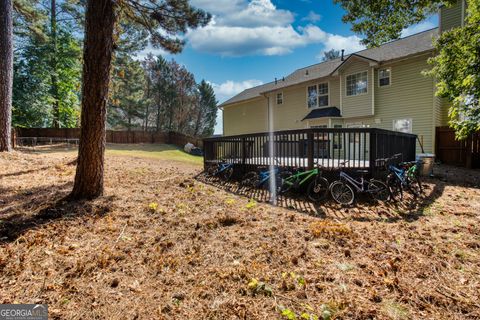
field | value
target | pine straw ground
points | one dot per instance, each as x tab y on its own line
207	253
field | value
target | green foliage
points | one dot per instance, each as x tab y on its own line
32	94
207	110
259	287
456	69
383	20
126	107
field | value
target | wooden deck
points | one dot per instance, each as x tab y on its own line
330	148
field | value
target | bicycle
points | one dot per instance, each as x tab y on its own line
404	176
317	189
342	190
221	170
254	179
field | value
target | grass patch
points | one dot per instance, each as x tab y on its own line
157	151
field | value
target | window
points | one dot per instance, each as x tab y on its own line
323	95
402	125
312	96
280	98
317	95
357	83
384	77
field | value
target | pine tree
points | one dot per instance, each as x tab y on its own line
207	110
6	73
163	19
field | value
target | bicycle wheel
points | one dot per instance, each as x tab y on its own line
414	185
287	181
342	192
279	181
318	189
227	174
249	180
211	171
378	190
395	187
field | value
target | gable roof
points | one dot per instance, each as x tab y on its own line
404	47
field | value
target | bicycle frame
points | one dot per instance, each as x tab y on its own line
222	167
359	185
265	175
303	176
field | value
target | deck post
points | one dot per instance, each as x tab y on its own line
310	150
373	151
244	152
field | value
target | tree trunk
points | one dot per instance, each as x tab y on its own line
97	56
53	64
6	73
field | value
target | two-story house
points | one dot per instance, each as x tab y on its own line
381	87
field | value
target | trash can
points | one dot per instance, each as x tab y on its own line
426	161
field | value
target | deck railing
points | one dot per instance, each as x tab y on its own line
354	148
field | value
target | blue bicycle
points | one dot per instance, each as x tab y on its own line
404	176
222	170
261	179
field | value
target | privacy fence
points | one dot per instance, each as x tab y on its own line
71	135
465	153
354	148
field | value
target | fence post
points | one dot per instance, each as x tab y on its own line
310	150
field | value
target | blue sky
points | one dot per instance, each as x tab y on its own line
250	42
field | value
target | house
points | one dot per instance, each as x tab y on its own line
381	87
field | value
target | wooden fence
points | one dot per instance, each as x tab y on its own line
331	148
448	150
112	136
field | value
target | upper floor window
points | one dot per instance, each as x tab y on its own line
280	98
384	76
317	95
357	83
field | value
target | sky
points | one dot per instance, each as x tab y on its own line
251	42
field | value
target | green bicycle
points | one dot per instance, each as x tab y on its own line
317	189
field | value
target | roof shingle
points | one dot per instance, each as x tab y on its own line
414	44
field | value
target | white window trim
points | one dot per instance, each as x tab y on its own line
276	98
317	106
378	75
346	84
411	124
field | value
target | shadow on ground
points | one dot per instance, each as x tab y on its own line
31	208
364	208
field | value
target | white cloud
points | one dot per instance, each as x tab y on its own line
312	17
258	28
229	88
422	26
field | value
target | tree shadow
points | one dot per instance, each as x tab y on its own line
34	207
364	209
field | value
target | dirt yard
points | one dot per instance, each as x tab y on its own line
162	245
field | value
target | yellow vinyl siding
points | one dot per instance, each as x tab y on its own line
451	17
247	117
410	96
359	105
444	108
